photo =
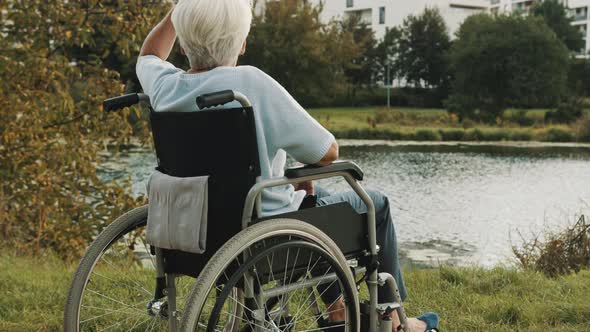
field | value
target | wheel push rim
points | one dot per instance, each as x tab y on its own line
304	313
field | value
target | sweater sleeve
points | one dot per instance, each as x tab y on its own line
151	71
289	127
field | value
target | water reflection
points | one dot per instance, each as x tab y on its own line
455	204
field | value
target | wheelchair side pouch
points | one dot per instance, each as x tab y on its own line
177	212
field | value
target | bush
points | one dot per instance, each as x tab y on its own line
467	123
557	135
496	135
473	135
559	253
521	135
567	111
428	135
583	129
413	118
52	123
520	117
452	134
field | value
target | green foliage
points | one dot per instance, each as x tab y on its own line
452	134
522	119
364	67
52	126
386	54
583	129
567	111
557	135
404	124
428	135
423	44
579	77
555	15
290	43
502	61
412	118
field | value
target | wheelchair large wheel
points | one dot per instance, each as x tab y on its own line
115	282
283	267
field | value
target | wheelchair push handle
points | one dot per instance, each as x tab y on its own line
117	103
203	101
221	98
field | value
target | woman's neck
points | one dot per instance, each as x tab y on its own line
202	70
199	70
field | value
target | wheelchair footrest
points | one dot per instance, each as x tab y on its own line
387	308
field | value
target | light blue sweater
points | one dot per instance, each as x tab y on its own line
282	125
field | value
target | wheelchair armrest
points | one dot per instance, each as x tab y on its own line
337	166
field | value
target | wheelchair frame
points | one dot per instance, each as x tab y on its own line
253	201
375	279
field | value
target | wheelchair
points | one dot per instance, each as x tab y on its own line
257	273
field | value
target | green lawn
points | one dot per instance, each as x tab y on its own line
438	125
472	299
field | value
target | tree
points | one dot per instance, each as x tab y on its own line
52	128
386	53
423	45
501	61
579	77
361	71
290	43
555	15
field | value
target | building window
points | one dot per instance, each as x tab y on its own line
381	15
349	3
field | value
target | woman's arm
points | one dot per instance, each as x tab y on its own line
160	40
330	156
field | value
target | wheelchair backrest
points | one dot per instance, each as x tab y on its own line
220	143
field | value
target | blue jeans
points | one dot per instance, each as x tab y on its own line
386	240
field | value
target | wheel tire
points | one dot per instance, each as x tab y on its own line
127	222
243	240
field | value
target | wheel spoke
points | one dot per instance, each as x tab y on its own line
110	279
110	312
110	298
143	241
315	301
133	281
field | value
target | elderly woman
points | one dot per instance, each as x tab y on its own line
213	35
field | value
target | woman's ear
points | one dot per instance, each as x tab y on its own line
243	50
182	51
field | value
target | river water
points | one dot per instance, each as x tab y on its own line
461	204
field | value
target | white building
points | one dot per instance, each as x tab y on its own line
578	10
382	14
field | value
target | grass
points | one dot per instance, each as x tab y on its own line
438	125
468	299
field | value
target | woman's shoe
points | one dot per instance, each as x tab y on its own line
431	320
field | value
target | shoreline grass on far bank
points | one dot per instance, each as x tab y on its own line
415	124
467	299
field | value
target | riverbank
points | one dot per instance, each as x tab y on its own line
409	124
468	299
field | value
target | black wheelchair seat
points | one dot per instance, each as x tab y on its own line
222	143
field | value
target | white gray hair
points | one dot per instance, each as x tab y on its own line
212	32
